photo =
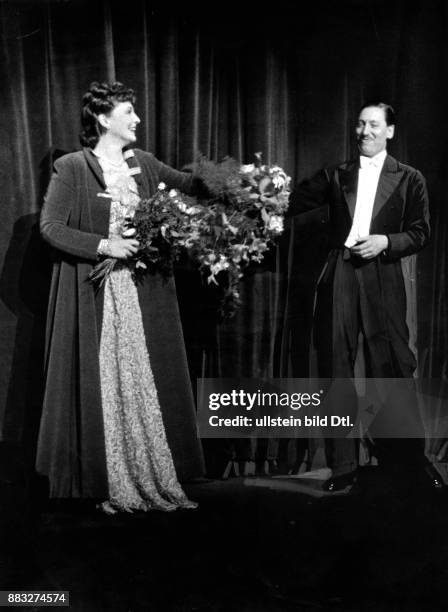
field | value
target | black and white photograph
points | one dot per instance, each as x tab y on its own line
224	305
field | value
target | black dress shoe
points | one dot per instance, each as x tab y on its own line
339	483
435	479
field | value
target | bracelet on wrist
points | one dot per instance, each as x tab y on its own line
104	247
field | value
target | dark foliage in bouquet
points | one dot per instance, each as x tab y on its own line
242	218
164	226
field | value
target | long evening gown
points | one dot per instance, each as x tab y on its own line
140	469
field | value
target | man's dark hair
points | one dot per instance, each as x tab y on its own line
389	112
100	98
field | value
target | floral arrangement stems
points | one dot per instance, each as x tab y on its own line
102	270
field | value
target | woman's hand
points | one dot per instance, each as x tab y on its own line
122	248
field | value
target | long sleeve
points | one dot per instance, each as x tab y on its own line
308	203
187	182
58	209
183	181
416	230
310	194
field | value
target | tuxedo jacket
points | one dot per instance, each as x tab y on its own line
401	213
400	209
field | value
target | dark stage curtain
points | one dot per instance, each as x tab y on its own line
222	79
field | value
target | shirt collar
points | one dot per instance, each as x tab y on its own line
376	161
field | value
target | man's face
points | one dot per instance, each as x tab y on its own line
372	131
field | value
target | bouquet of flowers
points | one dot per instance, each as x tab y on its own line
224	232
241	220
164	225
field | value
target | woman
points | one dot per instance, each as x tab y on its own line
118	407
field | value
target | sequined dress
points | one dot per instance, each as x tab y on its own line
141	473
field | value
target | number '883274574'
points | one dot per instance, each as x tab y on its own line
30	598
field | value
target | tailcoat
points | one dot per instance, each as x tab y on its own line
75	217
370	295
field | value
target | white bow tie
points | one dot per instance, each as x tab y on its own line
368	162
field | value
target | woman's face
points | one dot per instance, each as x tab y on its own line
121	123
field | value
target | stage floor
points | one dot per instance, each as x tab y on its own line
254	545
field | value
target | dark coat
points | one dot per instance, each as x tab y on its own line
401	213
400	210
71	449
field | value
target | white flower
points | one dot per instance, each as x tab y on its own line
275	224
212	279
279	180
222	264
258	246
247	168
265	185
161	186
191	239
188	210
239	252
172	193
129	232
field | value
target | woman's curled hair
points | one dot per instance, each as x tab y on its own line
100	98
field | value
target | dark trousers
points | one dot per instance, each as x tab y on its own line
368	300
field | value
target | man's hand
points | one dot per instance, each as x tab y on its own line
368	247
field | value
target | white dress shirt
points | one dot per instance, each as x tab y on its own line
368	176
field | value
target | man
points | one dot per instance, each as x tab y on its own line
378	216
